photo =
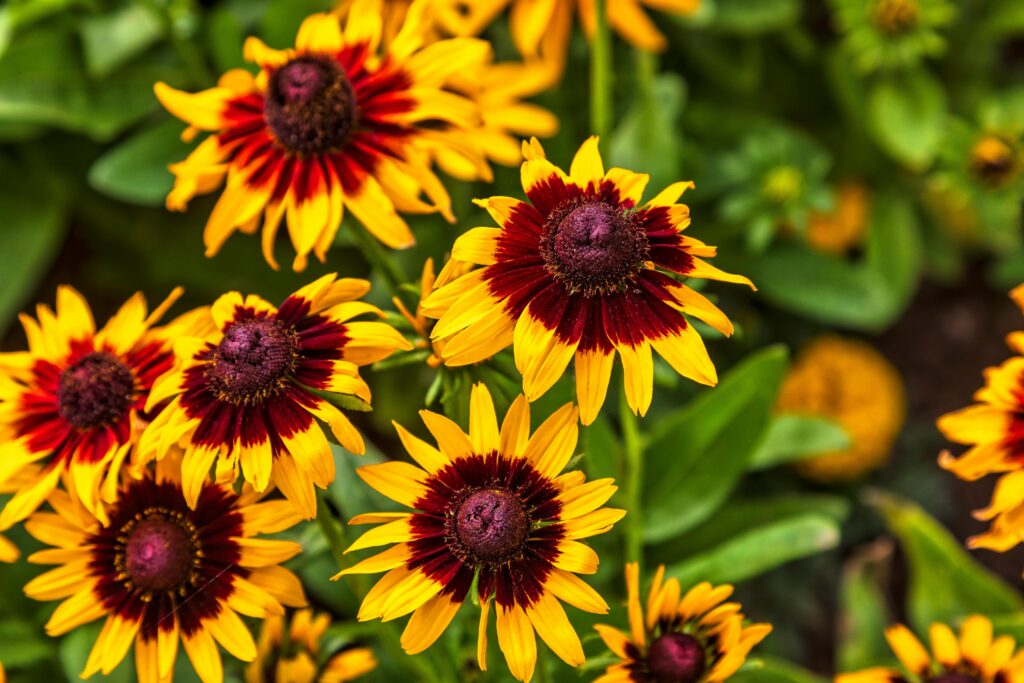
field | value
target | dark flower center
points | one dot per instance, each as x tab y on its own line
993	160
676	658
310	105
894	17
593	247
95	391
491	524
953	677
252	360
160	551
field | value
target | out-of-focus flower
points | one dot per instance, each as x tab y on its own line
330	125
543	29
249	394
843	228
773	182
494	512
161	569
293	655
975	656
73	405
574	273
849	382
892	34
699	638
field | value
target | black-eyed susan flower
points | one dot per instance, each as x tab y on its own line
578	272
292	653
419	322
72	406
890	34
330	125
844	227
974	657
849	382
250	394
162	571
543	29
691	638
493	513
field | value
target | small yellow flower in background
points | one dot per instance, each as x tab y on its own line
73	405
574	273
291	655
847	381
691	638
329	126
494	511
245	395
843	228
995	160
973	658
162	570
994	429
419	322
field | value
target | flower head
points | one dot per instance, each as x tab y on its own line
293	654
493	513
73	405
851	383
249	394
161	569
330	125
696	639
974	657
579	271
890	34
843	228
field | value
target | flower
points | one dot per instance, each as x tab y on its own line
892	34
419	322
249	394
293	656
494	511
975	658
327	126
543	29
575	273
843	228
161	569
847	381
699	639
75	402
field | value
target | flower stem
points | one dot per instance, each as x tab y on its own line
601	73
373	252
633	479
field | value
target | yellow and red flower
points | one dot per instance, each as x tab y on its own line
162	570
72	406
330	125
292	656
696	639
579	271
249	394
974	657
493	511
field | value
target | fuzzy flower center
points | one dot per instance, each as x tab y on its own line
492	524
593	247
894	17
310	105
160	550
783	184
95	391
252	360
993	160
677	658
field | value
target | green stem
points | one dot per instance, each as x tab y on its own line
633	479
374	253
601	73
187	51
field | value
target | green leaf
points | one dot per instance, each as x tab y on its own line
770	670
906	114
22	643
110	39
795	437
754	16
754	551
648	136
945	582
864	616
699	453
136	169
894	248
